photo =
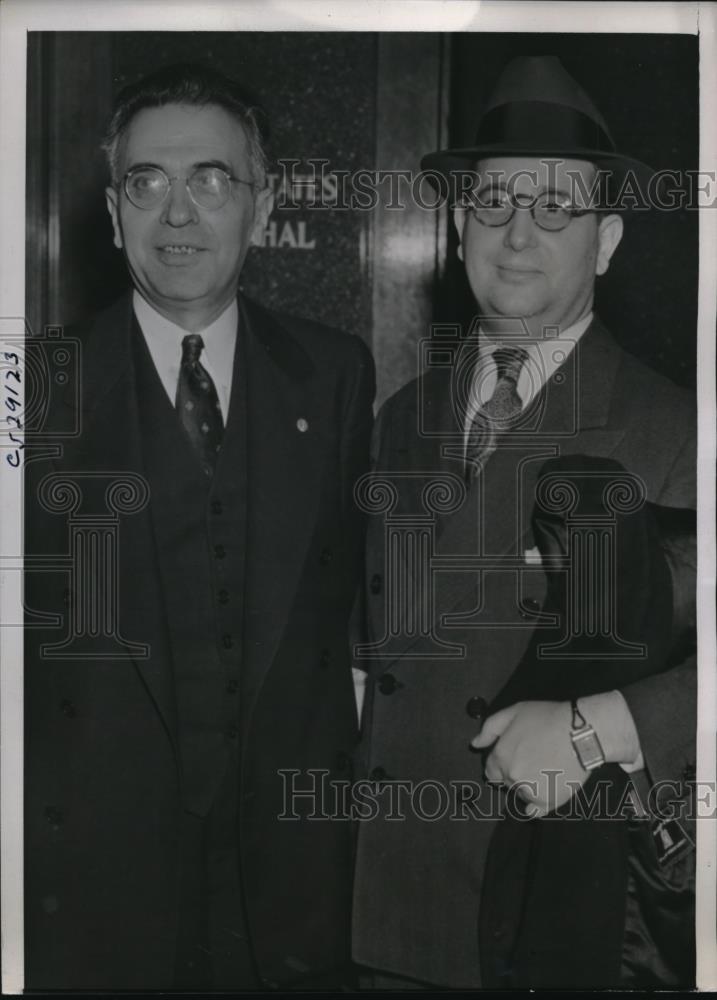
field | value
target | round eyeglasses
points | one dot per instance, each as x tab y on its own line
208	187
498	208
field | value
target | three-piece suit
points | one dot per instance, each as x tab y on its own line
183	631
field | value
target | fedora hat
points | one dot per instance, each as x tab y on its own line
538	109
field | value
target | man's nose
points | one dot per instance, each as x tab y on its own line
521	230
178	208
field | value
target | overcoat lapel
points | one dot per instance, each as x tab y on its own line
287	419
428	444
570	416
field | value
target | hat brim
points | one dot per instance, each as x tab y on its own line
445	166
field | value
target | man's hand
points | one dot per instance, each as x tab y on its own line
532	751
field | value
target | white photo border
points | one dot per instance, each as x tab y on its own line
18	17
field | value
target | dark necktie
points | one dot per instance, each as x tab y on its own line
198	405
499	413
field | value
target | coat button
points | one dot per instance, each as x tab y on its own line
529	607
477	708
54	817
376	583
233	732
219	551
68	709
217	507
232	686
324	658
227	641
325	557
388	684
223	596
378	774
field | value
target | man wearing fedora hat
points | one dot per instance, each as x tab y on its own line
538	377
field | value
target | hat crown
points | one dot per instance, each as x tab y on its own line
544	79
536	109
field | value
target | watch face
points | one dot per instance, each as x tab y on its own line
587	747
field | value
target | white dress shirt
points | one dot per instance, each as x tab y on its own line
164	340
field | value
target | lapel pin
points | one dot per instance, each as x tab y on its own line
302	425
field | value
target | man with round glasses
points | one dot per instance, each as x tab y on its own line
188	195
550	211
208	186
163	848
529	250
537	377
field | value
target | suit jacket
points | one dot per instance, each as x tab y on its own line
102	774
418	881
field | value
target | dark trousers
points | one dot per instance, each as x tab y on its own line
213	946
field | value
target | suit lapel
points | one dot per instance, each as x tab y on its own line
109	448
287	417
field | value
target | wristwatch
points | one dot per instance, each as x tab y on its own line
585	740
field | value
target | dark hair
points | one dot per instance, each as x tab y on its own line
193	84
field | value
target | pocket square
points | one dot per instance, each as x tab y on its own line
533	557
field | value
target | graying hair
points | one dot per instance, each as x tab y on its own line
192	84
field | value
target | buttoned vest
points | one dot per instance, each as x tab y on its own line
199	525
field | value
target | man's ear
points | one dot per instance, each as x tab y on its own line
263	206
459	221
112	208
609	235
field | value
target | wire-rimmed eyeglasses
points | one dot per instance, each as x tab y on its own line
549	211
208	186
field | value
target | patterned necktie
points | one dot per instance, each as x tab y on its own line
499	413
198	405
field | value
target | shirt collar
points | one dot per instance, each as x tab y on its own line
573	332
164	340
156	326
